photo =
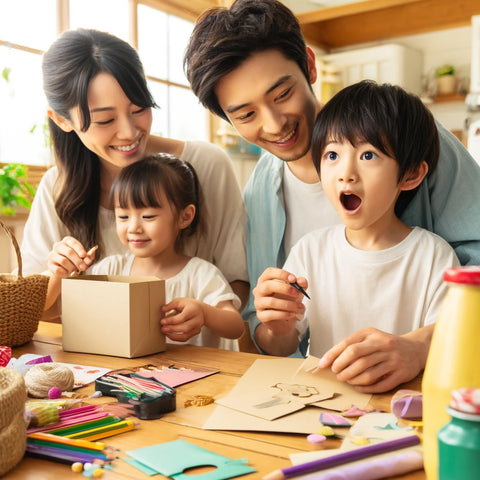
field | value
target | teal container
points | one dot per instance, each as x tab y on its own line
459	447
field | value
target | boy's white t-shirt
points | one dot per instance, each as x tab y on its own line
199	279
396	290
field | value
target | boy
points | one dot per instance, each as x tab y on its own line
249	65
372	145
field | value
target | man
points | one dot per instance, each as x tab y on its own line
249	64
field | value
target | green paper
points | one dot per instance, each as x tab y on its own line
172	458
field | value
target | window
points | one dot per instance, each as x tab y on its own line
162	39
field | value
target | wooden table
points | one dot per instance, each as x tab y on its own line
265	451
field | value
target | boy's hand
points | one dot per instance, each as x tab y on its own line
374	361
278	304
69	256
185	320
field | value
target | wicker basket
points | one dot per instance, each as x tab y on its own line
13	428
21	302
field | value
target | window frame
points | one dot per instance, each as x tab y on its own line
175	8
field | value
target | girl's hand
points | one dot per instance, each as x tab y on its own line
184	319
69	256
279	305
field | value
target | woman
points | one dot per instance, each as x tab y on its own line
100	119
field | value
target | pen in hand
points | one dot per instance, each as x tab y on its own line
300	289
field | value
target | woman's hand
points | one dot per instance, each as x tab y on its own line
69	256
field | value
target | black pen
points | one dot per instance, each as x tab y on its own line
300	289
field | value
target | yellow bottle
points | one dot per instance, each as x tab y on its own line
454	358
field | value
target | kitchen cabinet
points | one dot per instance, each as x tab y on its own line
391	63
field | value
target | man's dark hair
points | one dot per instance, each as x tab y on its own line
223	38
386	116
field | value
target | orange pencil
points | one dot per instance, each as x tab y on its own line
49	437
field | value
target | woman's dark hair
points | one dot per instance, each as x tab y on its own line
386	116
223	38
140	184
69	65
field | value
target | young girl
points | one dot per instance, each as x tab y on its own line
157	208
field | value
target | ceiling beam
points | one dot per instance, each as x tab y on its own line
376	20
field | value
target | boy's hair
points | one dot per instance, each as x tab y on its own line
386	116
139	186
224	38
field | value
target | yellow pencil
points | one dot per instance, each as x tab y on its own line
103	431
110	433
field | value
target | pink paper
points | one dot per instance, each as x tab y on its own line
175	376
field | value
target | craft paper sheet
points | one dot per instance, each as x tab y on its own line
239	410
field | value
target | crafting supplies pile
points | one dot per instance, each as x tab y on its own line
12	424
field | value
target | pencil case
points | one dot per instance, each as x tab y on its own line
149	397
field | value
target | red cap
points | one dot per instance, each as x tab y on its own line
466	400
469	275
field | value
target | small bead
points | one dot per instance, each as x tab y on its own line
360	441
77	467
54	393
327	431
98	472
316	439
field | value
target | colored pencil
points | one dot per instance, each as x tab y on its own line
104	431
69	421
63	454
49	437
80	426
342	458
78	410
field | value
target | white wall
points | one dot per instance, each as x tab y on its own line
445	46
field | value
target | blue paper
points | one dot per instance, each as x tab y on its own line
171	459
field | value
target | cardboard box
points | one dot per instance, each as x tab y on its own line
113	315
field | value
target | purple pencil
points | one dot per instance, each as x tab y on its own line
63	455
342	458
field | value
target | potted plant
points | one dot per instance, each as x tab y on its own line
446	80
15	191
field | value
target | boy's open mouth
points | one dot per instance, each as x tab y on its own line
350	201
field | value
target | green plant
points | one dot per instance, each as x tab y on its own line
15	191
445	70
